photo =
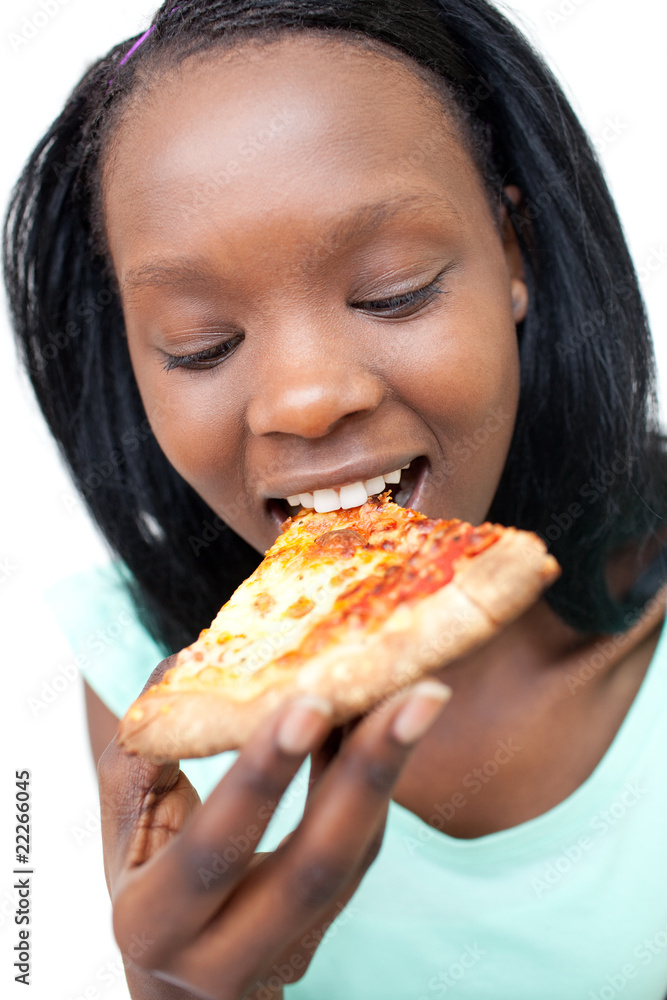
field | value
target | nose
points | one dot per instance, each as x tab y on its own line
311	388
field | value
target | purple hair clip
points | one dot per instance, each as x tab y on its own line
139	41
136	45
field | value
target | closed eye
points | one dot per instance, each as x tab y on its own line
406	304
202	359
397	306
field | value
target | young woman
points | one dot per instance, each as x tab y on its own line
319	242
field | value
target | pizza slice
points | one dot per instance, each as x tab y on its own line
351	605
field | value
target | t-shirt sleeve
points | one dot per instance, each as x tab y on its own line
113	651
116	655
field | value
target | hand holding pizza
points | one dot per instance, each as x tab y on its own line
351	606
245	928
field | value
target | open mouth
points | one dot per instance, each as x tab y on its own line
406	493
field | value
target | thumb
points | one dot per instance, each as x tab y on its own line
141	802
141	805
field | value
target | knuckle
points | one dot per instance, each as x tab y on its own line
379	776
317	884
260	783
211	868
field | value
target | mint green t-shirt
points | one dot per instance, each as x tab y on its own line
571	905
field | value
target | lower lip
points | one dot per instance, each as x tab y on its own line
278	515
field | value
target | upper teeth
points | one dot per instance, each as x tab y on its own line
353	495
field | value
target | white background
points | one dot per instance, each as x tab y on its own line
609	55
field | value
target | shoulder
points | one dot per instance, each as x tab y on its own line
112	650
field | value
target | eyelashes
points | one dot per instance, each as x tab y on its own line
397	306
203	359
404	304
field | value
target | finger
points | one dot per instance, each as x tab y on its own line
353	794
213	851
128	786
292	962
320	862
321	757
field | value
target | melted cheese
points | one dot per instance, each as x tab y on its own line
242	639
301	588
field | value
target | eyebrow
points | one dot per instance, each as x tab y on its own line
363	221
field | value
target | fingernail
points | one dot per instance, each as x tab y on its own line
421	709
303	723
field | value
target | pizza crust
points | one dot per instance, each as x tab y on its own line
487	591
508	577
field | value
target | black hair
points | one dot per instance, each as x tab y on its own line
586	467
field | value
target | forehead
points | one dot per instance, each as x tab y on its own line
306	125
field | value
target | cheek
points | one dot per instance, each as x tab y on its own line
474	376
465	360
194	419
464	382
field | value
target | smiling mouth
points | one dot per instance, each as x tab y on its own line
405	493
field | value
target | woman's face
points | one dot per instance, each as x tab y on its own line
315	289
